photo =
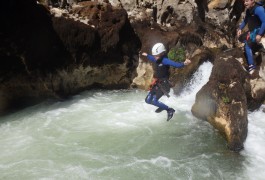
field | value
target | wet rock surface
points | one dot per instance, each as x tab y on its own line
223	101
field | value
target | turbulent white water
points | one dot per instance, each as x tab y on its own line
116	135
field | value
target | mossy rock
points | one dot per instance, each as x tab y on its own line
177	54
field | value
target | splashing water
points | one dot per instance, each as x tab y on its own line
116	135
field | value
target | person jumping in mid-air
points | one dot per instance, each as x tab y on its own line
161	85
255	18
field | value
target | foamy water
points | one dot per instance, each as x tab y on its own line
116	135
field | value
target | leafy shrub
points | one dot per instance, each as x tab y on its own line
177	54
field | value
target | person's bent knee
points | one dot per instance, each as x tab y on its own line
148	100
154	101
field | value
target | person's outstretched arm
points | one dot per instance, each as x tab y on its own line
149	57
169	62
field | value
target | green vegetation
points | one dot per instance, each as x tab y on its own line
223	87
177	54
226	99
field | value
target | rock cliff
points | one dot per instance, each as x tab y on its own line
46	55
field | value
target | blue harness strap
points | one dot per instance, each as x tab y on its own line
253	34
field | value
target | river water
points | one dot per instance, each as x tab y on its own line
115	135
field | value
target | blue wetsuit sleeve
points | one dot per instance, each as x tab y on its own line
169	62
244	22
151	58
259	11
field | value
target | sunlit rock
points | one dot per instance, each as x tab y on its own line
144	75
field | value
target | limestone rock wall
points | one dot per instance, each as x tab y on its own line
54	53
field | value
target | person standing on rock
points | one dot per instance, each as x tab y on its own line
161	85
255	18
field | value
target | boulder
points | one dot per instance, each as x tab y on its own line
223	100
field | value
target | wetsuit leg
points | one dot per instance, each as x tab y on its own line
148	98
249	54
152	99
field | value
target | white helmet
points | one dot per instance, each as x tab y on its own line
158	48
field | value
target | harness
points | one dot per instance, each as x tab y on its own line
254	24
163	85
160	81
251	36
